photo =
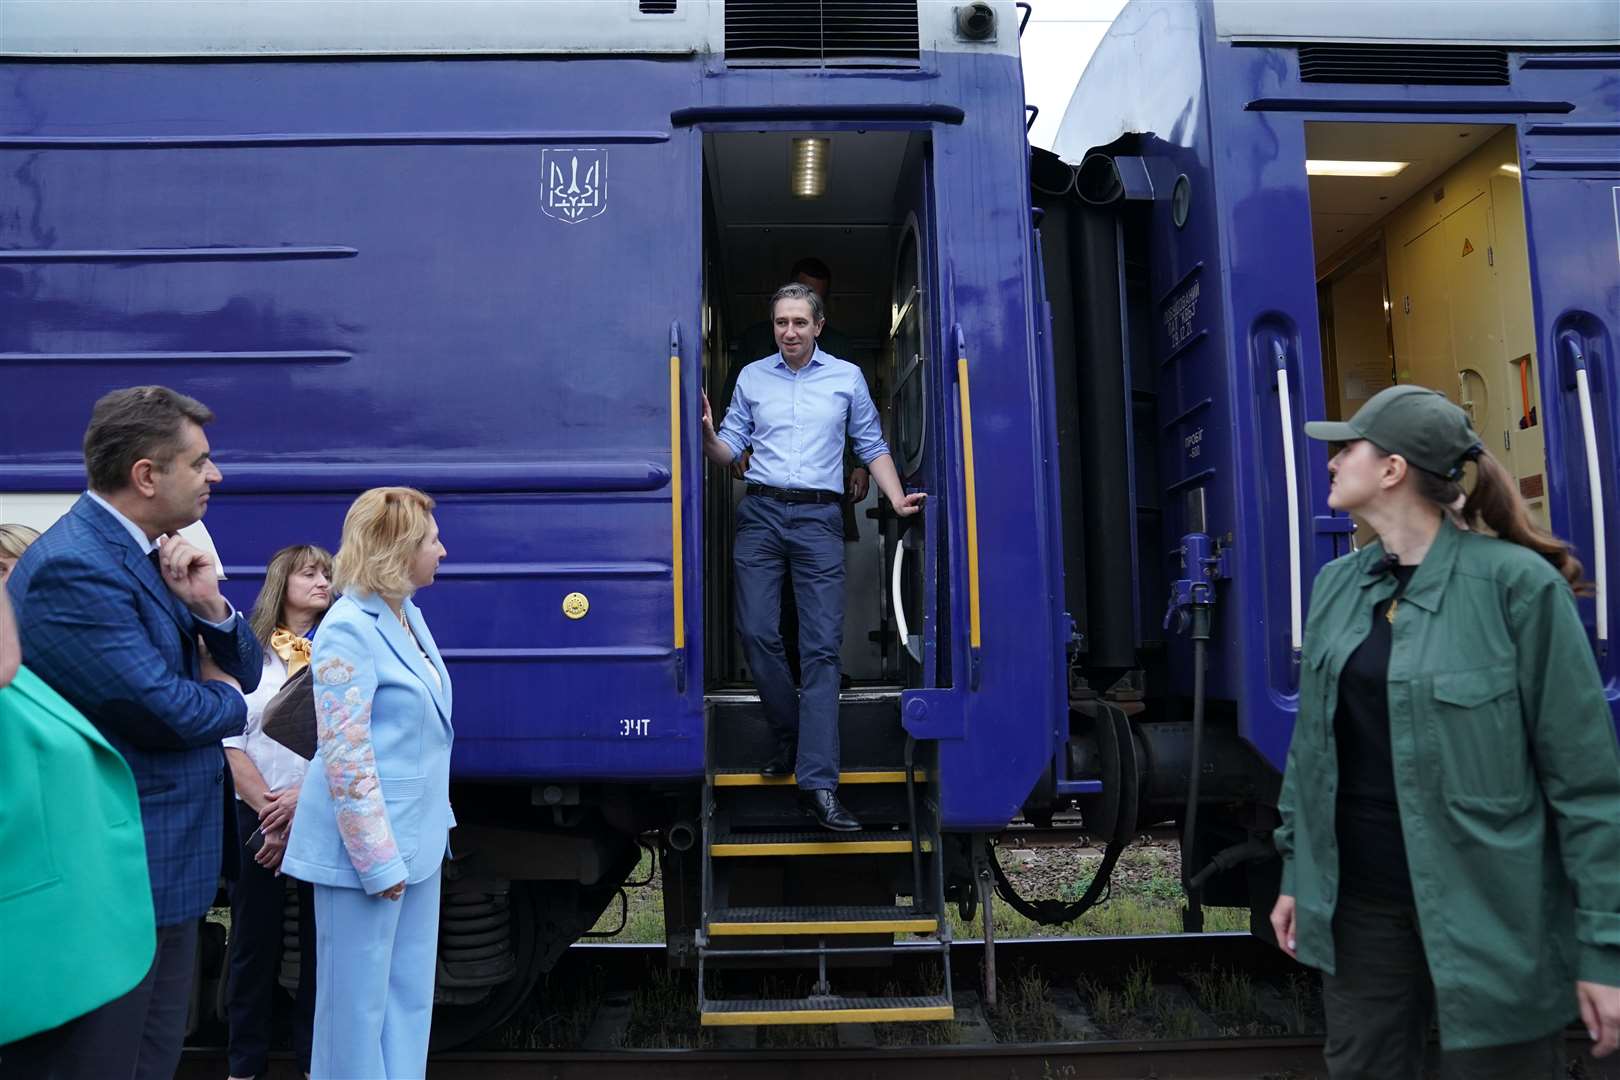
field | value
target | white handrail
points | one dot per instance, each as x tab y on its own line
1594	478
899	604
1296	621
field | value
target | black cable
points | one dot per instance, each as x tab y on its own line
1195	913
1056	912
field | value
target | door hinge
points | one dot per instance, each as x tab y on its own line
1406	305
1490	256
1507	440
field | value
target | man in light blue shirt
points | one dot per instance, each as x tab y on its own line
793	410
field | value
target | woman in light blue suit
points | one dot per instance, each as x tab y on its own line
372	838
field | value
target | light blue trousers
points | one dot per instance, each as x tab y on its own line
374	999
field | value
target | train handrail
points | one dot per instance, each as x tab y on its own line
906	640
970	505
677	562
1594	479
1285	405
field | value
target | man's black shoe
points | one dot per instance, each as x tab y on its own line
828	811
781	762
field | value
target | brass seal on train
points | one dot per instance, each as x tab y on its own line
575	605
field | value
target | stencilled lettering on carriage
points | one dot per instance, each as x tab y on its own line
1193	445
1179	314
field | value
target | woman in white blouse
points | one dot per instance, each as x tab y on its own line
297	591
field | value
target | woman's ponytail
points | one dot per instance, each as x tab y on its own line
1495	501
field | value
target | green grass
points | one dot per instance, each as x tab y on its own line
664	1014
644	924
537	1027
1024	1011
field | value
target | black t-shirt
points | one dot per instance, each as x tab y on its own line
1372	851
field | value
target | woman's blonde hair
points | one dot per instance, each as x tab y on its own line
381	533
14	540
269	608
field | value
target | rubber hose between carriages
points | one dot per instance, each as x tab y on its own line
1056	912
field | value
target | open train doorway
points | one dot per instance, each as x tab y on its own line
1423	276
846	213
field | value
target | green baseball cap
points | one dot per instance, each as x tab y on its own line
1413	421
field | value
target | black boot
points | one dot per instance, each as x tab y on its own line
829	813
781	763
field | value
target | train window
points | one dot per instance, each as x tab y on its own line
906	340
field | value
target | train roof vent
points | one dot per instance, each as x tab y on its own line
658	7
1430	65
814	33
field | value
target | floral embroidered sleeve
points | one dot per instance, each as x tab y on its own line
345	683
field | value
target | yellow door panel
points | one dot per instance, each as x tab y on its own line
1428	358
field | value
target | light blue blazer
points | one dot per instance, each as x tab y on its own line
382	815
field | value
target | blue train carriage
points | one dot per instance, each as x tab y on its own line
1259	214
495	251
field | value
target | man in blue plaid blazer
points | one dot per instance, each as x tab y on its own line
125	620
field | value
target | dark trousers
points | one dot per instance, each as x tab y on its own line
808	538
1380	1003
134	1037
257	899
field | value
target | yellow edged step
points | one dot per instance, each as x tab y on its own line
826	1011
741	847
831	926
876	776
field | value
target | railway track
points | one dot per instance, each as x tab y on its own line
980	1053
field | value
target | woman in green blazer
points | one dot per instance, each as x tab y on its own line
76	928
1451	809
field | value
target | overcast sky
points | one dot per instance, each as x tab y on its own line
1057	43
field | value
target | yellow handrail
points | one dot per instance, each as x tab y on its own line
675	497
970	500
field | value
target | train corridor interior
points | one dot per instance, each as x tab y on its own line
773	199
1423	276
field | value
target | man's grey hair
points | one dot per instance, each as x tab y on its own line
134	423
795	291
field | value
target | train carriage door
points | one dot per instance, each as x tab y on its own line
1577	329
912	655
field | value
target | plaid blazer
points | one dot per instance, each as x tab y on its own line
99	626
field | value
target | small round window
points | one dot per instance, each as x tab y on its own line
1180	201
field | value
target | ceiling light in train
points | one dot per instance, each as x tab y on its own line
1510	170
1324	167
809	166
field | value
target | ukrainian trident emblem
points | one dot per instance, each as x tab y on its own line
575	184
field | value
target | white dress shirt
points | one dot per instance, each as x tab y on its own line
138	534
280	767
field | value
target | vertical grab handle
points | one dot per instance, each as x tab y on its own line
677	562
907	642
1594	479
970	505
1285	406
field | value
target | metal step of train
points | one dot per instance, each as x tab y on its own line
785	897
877	798
828	1010
820	921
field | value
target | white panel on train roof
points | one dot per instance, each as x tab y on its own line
1500	22
160	28
237	28
41	511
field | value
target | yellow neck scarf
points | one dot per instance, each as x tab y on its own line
292	648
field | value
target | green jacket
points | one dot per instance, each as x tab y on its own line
1507	774
76	927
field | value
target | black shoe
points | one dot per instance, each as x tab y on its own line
781	762
828	811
